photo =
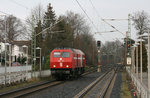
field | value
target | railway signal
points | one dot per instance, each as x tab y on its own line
128	46
98	44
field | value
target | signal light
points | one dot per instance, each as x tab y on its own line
99	44
128	46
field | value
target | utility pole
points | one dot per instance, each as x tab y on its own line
129	33
33	46
33	41
125	59
128	44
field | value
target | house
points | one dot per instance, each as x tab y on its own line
18	50
14	50
2	47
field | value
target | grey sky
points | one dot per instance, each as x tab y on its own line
106	9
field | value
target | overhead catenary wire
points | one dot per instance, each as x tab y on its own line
12	14
4	13
104	20
86	15
98	17
13	1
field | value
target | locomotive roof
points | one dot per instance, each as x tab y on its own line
72	49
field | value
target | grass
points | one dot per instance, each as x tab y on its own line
125	92
23	84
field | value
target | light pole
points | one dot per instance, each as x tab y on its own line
145	35
148	62
3	27
24	46
1	54
133	57
5	60
141	61
5	50
9	55
39	58
137	59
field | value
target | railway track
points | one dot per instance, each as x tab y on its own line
34	88
101	87
30	89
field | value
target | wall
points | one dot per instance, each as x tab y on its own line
20	73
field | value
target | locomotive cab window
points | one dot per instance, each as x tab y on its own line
56	54
65	54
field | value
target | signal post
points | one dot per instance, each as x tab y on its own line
98	47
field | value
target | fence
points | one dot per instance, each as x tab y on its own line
19	73
141	88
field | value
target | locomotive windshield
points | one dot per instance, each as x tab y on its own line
65	54
56	54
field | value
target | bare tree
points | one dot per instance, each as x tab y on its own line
15	29
33	19
141	21
78	25
77	22
113	48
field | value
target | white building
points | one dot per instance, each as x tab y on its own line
2	47
14	49
18	50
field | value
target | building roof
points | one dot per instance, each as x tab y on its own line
20	43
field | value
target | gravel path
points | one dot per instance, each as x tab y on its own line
67	90
117	87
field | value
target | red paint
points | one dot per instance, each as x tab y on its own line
75	60
134	93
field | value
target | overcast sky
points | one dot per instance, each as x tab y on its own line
118	9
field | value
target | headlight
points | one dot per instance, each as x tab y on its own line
67	66
54	65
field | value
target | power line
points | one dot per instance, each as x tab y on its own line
13	1
4	13
86	15
104	20
12	14
95	9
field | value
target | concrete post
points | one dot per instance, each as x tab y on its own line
40	61
148	62
98	69
141	59
137	61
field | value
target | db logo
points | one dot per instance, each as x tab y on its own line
61	65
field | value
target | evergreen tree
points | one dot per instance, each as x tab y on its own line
49	20
63	36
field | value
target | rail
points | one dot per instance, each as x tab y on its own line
34	88
89	87
31	89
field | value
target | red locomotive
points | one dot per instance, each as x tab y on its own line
67	62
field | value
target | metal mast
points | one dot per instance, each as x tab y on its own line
129	32
33	45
